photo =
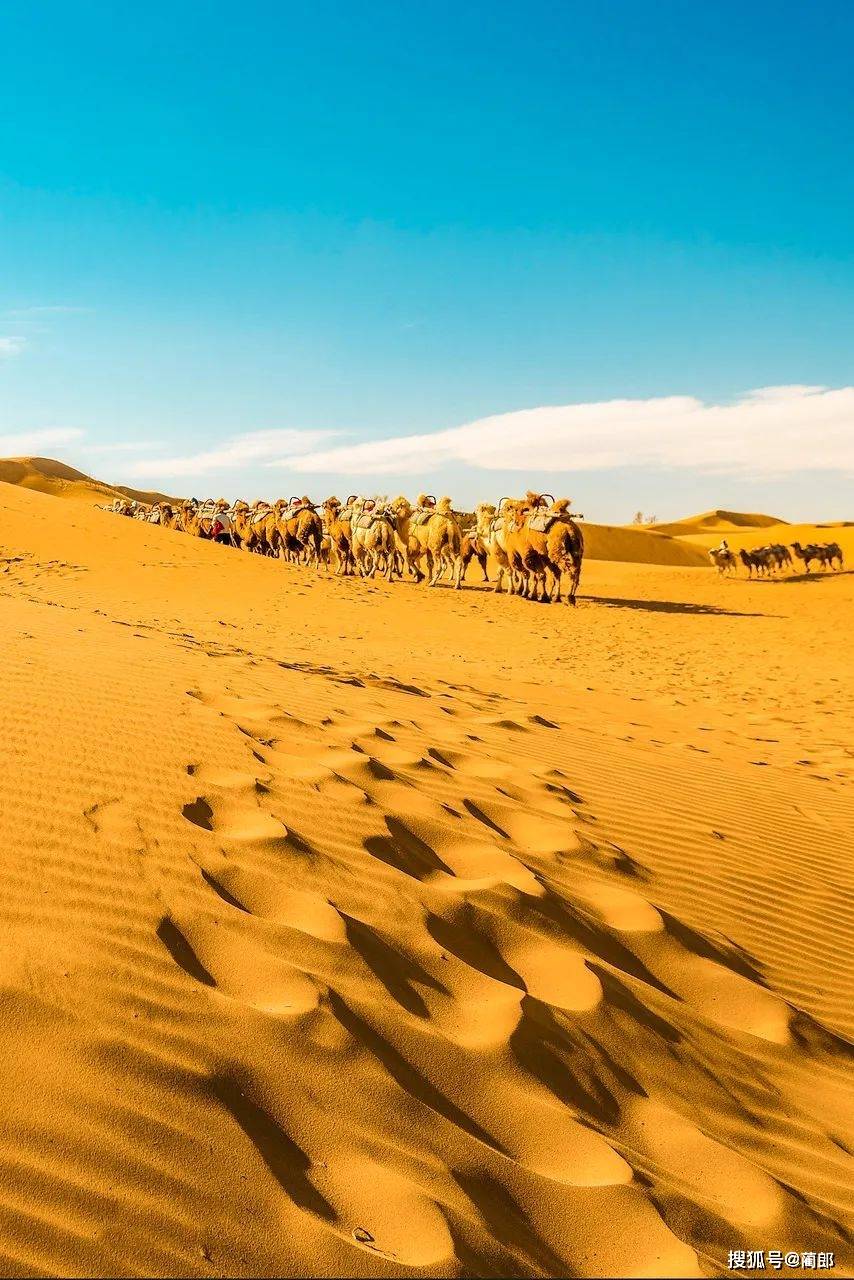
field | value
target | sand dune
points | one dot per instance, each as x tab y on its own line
46	475
368	929
718	522
639	546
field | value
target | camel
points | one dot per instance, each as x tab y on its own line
299	530
437	532
564	547
408	550
255	526
336	523
492	531
825	554
373	538
808	553
755	561
543	543
474	548
193	522
782	555
723	559
833	551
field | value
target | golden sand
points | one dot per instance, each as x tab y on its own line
380	930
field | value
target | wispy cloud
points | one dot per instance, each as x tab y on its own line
12	346
27	443
773	430
124	446
256	447
37	313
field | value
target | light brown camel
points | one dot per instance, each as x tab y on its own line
408	550
373	539
546	543
299	531
439	536
255	526
723	559
492	531
337	527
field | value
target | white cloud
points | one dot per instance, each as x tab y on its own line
769	431
125	446
11	347
23	313
29	443
257	446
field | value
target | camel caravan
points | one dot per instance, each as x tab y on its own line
764	562
534	542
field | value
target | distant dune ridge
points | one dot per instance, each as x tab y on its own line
718	521
46	475
360	928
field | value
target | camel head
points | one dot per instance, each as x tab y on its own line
332	505
560	506
484	514
400	506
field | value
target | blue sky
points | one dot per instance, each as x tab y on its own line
239	243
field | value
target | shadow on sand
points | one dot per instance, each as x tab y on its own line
817	575
667	606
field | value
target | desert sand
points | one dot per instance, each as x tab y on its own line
380	930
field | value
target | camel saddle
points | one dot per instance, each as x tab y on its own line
368	518
540	521
422	515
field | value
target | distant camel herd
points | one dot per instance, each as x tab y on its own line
763	562
534	542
